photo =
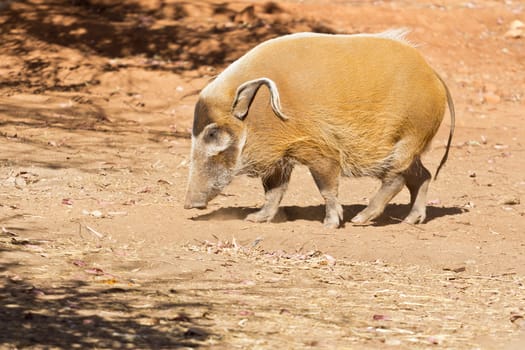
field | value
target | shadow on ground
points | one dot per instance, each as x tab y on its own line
78	316
175	36
66	45
85	117
394	213
78	136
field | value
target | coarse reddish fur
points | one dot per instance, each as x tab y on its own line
370	104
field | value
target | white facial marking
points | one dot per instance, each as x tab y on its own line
242	143
192	153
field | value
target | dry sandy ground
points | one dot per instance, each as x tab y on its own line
96	251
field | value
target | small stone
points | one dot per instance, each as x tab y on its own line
469	205
455	269
518	320
514	33
510	201
96	213
500	146
20	182
393	342
491	98
516	30
435	340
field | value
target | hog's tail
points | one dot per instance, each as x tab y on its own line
452	111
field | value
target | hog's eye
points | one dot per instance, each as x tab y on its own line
212	134
216	139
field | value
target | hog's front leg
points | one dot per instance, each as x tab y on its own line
275	184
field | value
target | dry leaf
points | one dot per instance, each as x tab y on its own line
164	182
8	232
110	281
378	317
95	271
146	189
455	269
79	263
37	292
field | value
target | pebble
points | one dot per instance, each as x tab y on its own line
510	201
516	30
491	98
469	205
392	342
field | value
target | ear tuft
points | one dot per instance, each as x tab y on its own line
246	93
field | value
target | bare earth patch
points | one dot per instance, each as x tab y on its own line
96	251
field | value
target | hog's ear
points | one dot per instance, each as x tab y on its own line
246	93
215	139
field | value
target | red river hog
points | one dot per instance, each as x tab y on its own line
342	105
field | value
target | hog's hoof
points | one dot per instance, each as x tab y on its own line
334	216
331	224
365	216
361	219
259	216
415	217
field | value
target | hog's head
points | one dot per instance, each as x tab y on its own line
218	139
214	155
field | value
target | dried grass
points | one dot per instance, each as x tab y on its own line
374	302
246	297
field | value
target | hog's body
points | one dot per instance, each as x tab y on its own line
353	105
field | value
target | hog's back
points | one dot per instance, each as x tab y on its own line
362	100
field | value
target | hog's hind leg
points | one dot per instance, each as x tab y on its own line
417	179
389	188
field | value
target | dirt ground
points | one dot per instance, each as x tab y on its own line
96	250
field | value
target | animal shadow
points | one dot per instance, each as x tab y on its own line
394	213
